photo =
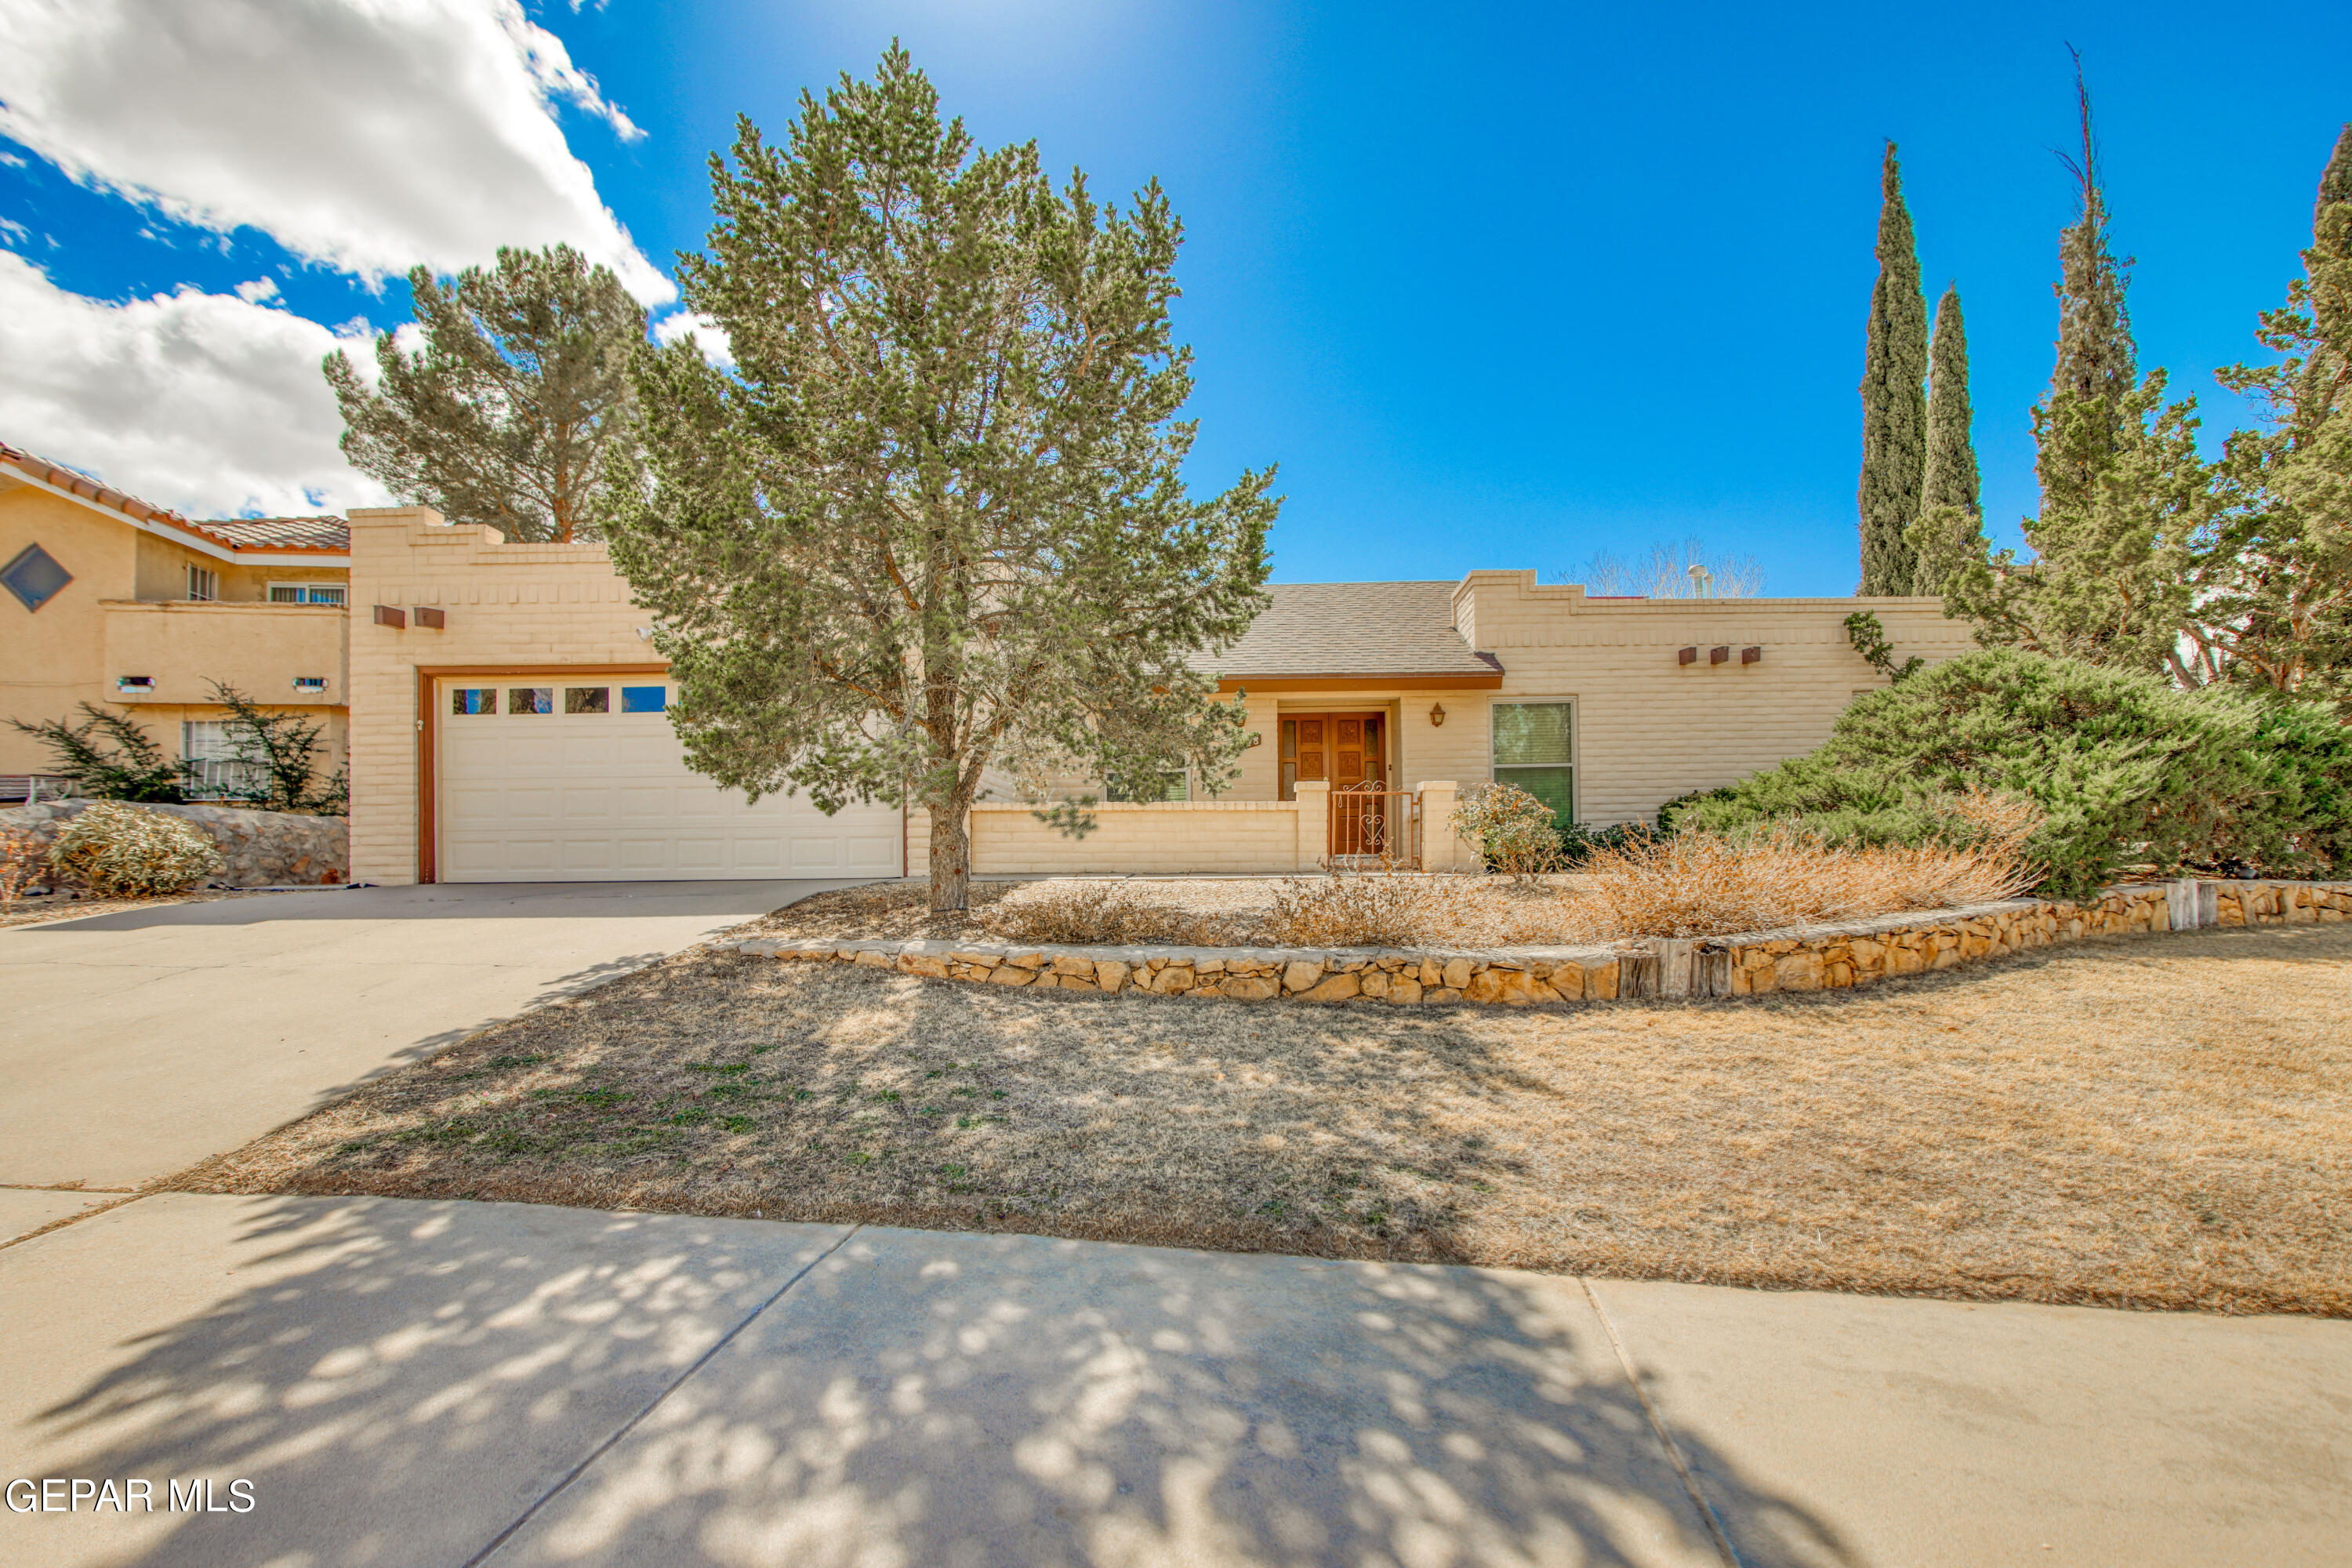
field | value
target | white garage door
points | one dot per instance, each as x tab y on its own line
583	780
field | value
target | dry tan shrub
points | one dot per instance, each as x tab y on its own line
116	849
23	857
1383	907
1102	913
1703	884
1998	822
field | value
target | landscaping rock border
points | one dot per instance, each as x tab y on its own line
258	849
1748	963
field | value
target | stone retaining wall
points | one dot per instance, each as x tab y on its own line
1748	963
261	848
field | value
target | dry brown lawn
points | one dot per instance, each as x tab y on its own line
2159	1122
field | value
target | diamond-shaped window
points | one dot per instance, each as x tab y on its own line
35	576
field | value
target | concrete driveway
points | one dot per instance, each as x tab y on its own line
136	1044
457	1384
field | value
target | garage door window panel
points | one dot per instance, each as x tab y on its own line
530	699
644	699
587	698
474	699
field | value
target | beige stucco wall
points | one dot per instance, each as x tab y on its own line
1647	728
258	648
53	658
1219	838
125	612
505	604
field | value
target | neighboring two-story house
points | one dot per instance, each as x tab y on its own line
107	600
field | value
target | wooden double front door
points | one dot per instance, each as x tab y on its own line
1345	750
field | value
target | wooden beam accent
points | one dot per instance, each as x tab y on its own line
428	728
1276	684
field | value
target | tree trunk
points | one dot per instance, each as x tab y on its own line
951	860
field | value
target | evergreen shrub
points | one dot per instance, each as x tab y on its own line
2128	772
115	849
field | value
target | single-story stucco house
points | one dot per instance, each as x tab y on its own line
507	722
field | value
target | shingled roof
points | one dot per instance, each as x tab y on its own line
255	535
1354	629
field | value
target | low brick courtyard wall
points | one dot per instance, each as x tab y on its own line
1746	963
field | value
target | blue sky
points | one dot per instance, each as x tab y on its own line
1496	286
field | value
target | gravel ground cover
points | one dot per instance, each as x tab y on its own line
47	906
2159	1122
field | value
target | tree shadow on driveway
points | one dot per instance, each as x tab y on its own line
420	1383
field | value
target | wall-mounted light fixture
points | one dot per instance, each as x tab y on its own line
1719	654
1687	655
1254	741
1437	715
427	616
1750	655
392	616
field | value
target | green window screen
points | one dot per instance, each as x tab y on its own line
1533	749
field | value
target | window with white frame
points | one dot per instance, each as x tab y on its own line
306	592
215	770
204	584
1535	749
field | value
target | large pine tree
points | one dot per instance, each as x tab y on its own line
1893	404
1949	501
937	521
515	407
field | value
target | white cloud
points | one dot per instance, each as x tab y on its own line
708	336
259	288
205	402
369	135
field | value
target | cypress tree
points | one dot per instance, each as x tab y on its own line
1894	406
2275	596
1950	478
2097	366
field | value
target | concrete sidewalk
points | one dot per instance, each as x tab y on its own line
419	1384
138	1043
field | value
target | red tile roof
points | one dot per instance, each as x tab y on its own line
282	532
260	535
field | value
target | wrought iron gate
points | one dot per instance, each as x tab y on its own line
1373	827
